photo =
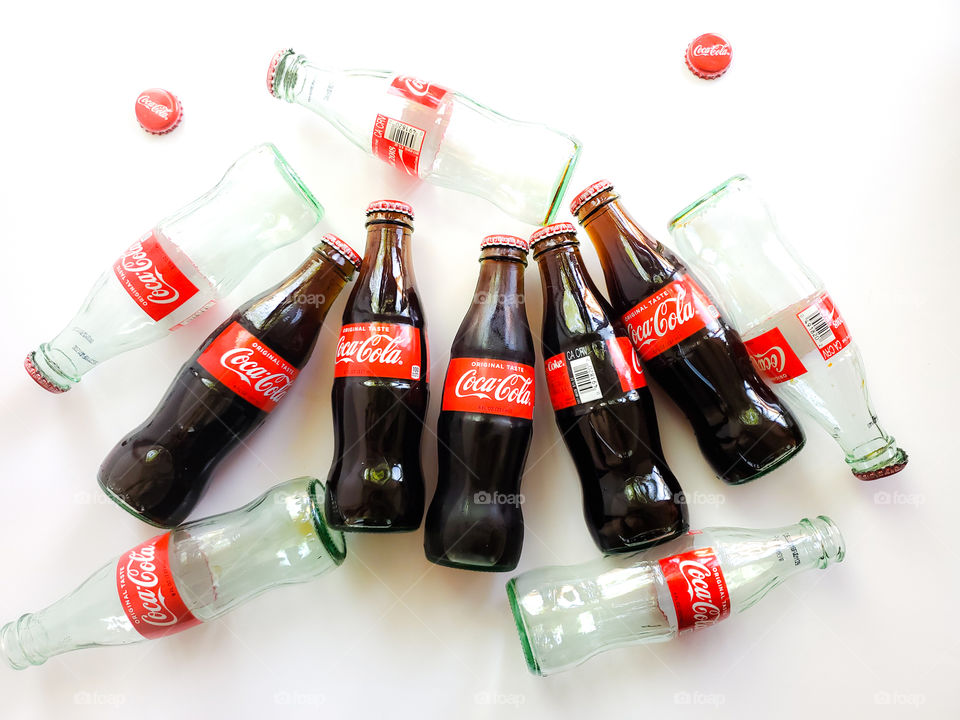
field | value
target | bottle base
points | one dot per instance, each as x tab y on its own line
532	665
364	527
132	510
898	463
646	541
766	469
444	561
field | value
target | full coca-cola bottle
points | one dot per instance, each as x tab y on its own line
192	574
602	405
380	386
566	615
689	349
225	391
486	421
180	267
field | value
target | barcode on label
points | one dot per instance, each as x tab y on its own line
817	325
585	380
402	134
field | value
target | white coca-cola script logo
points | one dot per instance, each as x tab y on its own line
771	360
671	313
705	609
138	262
142	571
156	108
272	385
514	388
385	349
414	86
556	364
711	50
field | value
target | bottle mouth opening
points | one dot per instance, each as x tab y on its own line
830	538
333	541
294	181
562	183
532	665
700	204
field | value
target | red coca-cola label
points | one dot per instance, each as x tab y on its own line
573	379
697	587
493	387
825	326
627	363
418	91
669	316
773	357
147	590
246	365
387	350
398	143
152	279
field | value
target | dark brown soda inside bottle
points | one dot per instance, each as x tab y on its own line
686	346
226	390
486	421
603	408
380	386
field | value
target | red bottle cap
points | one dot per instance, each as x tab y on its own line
341	247
39	377
272	70
396	206
158	111
505	240
589	193
550	230
709	56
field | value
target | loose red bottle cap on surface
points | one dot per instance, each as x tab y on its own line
589	193
708	56
507	240
272	70
39	377
390	206
341	247
158	111
551	230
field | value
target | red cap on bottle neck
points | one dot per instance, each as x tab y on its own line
550	230
341	247
396	206
272	70
589	193
505	240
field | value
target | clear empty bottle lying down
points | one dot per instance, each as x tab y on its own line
177	270
566	615
436	134
192	574
793	331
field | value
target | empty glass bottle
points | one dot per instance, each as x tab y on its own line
436	134
789	324
177	270
566	615
192	574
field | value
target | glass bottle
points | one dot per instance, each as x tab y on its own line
795	335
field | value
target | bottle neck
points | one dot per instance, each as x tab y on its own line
501	281
573	305
386	273
297	80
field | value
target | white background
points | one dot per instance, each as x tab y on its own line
847	119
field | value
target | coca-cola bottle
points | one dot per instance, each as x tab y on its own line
486	421
436	134
566	615
178	269
186	576
796	336
687	346
602	405
225	390
380	386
